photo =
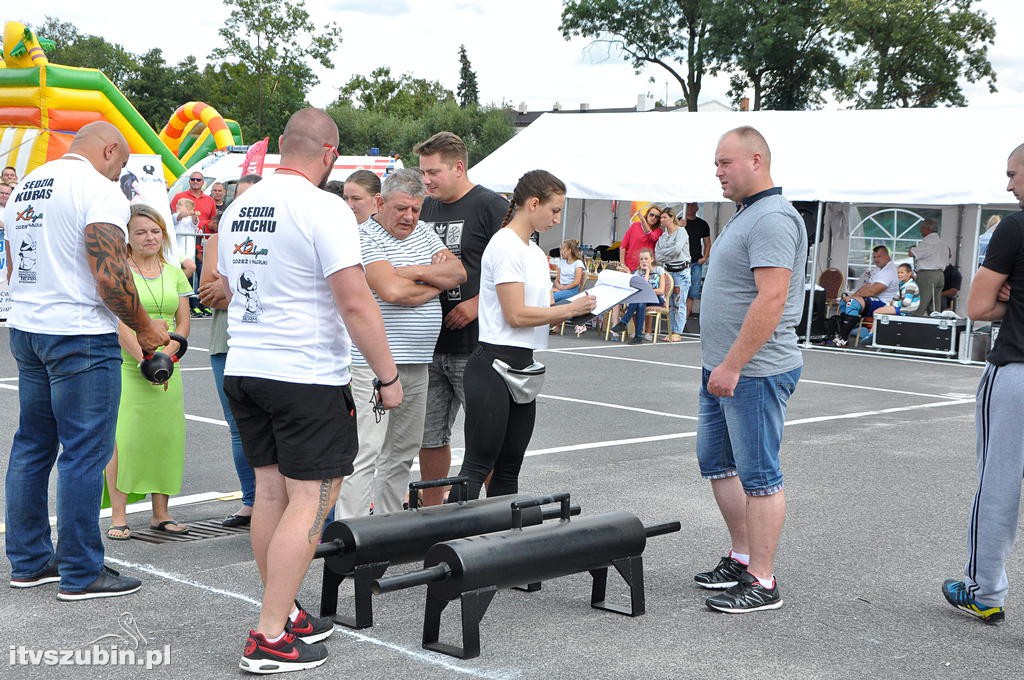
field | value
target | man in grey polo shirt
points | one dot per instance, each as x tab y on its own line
751	364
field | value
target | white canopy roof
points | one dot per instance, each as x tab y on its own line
895	156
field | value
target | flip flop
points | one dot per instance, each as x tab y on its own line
166	523
126	533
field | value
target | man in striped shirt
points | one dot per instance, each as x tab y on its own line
407	267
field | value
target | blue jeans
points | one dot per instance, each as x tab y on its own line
246	475
636	312
69	387
677	301
560	295
742	434
696	281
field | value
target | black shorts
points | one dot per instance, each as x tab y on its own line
308	431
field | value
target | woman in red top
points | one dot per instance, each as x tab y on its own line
641	234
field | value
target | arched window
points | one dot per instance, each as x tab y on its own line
896	228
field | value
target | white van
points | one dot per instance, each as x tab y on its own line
226	167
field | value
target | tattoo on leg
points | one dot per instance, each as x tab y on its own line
321	510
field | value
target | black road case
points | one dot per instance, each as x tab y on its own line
927	334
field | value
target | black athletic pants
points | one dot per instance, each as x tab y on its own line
498	430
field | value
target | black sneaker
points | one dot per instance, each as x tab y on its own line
619	327
725	575
309	629
108	584
637	340
287	654
48	575
746	596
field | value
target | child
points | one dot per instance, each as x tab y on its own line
571	271
185	223
910	296
656	276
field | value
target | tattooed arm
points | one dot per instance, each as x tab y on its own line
105	251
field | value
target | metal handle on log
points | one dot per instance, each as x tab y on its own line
662	529
414	487
329	549
556	513
420	577
517	506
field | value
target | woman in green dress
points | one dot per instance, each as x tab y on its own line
149	454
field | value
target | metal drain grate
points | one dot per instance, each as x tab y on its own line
207	528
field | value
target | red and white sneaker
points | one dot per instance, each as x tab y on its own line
309	629
287	654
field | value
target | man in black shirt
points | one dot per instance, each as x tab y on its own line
699	233
997	293
464	216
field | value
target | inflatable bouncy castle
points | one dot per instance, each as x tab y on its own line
43	105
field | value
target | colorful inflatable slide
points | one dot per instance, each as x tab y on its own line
43	105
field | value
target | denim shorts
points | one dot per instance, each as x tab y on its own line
741	435
445	394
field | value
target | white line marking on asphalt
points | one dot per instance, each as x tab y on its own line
211	421
687	435
146	506
9	387
621	407
419	656
802	380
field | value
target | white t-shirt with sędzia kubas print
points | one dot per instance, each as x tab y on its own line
278	244
52	287
508	260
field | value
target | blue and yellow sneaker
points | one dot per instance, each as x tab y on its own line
956	594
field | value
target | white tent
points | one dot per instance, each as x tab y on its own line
953	160
894	156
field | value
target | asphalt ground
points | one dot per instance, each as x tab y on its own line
879	470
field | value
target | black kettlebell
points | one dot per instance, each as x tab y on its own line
158	367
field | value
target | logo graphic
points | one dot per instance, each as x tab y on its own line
148	169
249	247
27	259
247	286
28	215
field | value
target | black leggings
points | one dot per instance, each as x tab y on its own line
498	430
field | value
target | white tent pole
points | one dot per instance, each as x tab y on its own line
814	272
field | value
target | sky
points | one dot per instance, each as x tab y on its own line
515	49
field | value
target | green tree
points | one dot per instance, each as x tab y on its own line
468	93
273	42
157	89
783	53
666	33
913	53
483	129
404	96
73	48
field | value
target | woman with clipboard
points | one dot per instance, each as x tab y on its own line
502	379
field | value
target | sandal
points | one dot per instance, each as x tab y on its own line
675	337
124	533
166	523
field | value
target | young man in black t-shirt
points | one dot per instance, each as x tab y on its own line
699	233
464	216
997	293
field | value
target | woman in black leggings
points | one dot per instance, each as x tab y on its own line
514	315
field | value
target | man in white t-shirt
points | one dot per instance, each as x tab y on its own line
881	287
289	255
407	267
70	283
